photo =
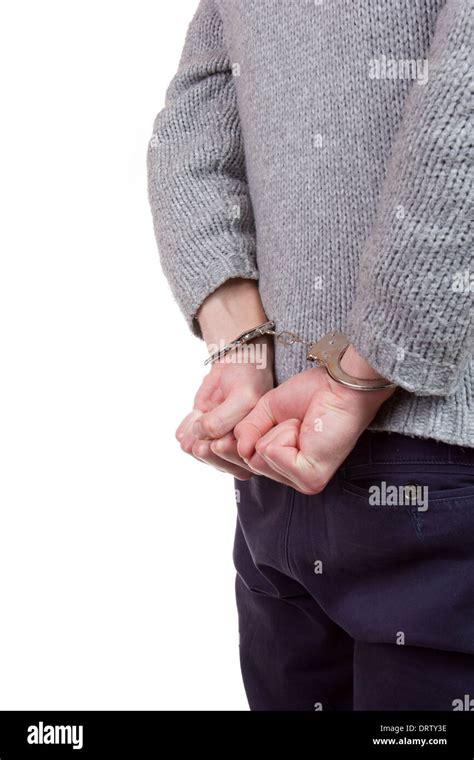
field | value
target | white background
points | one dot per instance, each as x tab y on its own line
116	576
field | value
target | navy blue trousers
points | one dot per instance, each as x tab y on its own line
347	604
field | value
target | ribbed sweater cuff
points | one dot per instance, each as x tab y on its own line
373	337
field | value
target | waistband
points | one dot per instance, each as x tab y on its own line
381	447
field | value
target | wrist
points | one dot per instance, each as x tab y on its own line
356	366
230	310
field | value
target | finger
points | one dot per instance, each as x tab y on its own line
279	449
188	438
222	420
259	466
186	423
202	451
285	434
308	477
258	422
288	401
226	448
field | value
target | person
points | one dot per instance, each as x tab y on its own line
311	166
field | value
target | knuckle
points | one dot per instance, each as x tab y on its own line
186	446
212	427
220	446
199	450
241	428
271	450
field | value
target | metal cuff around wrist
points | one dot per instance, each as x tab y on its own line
327	352
266	328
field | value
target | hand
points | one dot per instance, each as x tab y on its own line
226	396
302	431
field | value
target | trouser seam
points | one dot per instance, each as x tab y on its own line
291	506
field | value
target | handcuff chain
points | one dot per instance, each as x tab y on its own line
290	338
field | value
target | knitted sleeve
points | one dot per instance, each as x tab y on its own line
196	172
412	318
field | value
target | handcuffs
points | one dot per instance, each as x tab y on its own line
327	352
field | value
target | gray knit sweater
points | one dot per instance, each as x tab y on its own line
322	147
